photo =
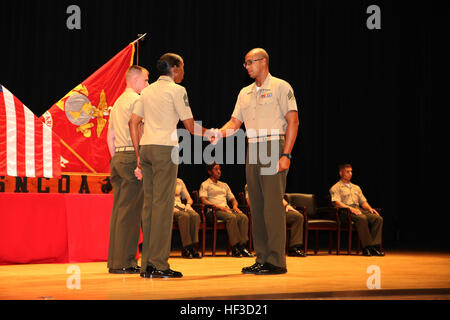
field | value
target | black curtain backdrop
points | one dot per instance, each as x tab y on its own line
364	96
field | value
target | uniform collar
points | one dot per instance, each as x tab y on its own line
265	84
211	180
166	78
345	184
130	90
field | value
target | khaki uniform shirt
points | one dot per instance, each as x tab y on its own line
263	111
351	194
119	117
180	192
217	193
162	105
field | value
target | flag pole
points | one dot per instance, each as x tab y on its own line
141	36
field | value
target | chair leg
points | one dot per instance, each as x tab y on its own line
214	240
330	241
305	241
250	236
349	249
317	242
203	240
338	241
358	244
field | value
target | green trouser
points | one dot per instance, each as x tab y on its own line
369	227
125	220
295	220
266	199
188	224
237	226
159	181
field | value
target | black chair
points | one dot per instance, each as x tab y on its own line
317	219
347	225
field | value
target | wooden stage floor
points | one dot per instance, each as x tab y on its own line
402	276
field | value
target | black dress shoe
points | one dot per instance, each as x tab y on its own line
186	253
366	252
376	251
245	252
128	270
296	252
268	268
195	253
235	252
378	247
252	269
152	272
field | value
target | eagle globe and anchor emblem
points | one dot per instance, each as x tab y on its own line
79	111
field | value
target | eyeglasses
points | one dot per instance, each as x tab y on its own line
250	62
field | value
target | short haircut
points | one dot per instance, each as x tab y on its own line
342	166
167	61
134	70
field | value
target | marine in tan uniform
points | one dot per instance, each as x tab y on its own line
162	105
217	194
125	217
269	110
188	221
368	222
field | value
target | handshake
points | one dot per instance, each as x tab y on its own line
213	135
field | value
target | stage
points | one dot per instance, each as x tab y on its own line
401	276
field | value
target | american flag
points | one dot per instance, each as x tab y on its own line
28	147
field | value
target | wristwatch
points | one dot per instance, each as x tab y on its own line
288	155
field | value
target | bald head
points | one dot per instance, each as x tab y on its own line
259	53
257	64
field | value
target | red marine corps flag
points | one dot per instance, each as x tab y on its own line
80	118
28	148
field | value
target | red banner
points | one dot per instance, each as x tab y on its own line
80	118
